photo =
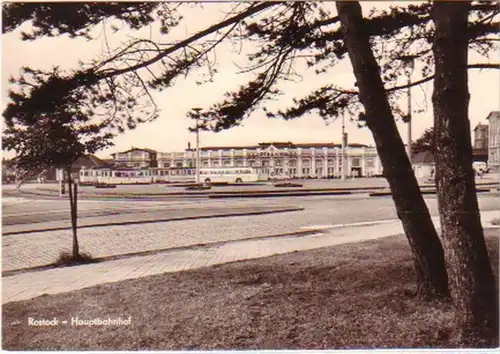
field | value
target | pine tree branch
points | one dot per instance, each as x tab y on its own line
182	44
429	78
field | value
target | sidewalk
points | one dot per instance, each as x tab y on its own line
32	284
37	249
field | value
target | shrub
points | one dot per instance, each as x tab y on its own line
66	259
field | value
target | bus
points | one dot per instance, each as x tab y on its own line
114	176
182	175
100	176
228	175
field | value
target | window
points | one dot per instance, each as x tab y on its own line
292	163
178	164
370	162
356	162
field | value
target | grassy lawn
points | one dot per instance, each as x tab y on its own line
357	295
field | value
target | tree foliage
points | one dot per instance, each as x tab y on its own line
58	134
290	38
77	19
425	142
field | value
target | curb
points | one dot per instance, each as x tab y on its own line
355	224
375	191
277	194
423	192
212	216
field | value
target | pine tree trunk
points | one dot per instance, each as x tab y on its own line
427	252
471	278
72	203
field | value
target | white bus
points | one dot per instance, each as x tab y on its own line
228	175
111	176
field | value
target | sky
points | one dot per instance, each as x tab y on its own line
169	132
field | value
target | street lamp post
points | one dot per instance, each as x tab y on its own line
344	143
197	117
409	63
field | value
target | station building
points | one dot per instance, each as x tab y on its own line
494	139
270	159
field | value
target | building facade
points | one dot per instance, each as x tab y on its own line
481	136
494	139
135	158
424	166
271	160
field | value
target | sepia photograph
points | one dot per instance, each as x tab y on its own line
250	175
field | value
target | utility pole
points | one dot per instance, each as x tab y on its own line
344	143
409	117
409	63
197	117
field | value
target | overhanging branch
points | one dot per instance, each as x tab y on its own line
182	44
429	78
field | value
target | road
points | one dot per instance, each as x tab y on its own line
318	209
41	248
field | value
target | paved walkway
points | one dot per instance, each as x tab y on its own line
37	249
32	284
128	216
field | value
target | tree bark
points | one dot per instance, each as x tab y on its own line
72	203
472	282
427	252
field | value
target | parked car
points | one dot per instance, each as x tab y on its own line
480	167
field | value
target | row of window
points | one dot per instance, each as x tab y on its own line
225	172
355	162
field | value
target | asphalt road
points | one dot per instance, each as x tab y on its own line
317	209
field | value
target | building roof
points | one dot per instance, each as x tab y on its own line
494	114
481	126
205	148
88	161
281	145
277	144
423	157
135	149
